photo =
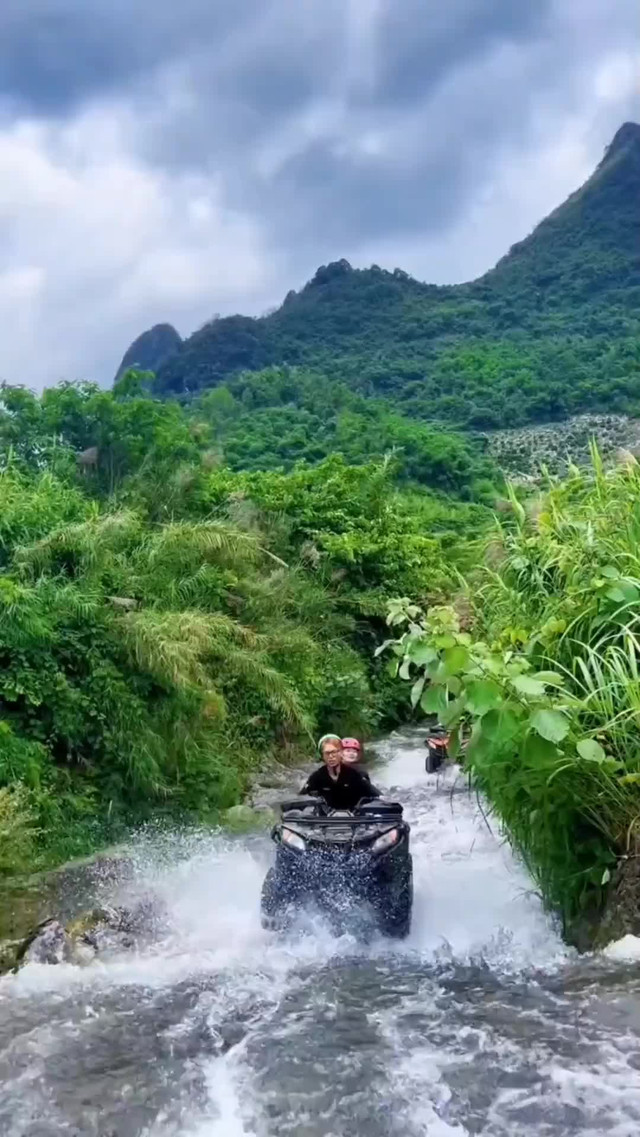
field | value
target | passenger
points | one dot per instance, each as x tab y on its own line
351	755
351	751
340	786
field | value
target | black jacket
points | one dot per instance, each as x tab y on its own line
343	792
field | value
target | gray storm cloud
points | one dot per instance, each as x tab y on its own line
165	161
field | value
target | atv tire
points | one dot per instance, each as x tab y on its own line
433	761
396	924
276	911
269	902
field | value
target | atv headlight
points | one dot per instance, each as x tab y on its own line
386	841
293	840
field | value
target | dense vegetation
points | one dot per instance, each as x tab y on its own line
277	417
546	675
551	331
168	624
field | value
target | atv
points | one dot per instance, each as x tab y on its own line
354	866
437	753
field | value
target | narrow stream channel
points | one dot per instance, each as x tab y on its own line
482	1022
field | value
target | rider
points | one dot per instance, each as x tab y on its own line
341	786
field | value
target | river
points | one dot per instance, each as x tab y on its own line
482	1022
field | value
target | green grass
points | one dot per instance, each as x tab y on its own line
549	679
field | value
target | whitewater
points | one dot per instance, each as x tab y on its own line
481	1023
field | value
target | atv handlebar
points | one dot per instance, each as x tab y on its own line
367	810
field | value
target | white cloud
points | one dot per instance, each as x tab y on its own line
527	183
215	164
97	246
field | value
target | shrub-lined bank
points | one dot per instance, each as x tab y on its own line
548	683
167	625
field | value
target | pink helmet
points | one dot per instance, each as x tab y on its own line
351	750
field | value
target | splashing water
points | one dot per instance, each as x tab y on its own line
482	1022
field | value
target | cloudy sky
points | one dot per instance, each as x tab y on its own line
164	160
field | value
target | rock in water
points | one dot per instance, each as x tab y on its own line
107	928
47	943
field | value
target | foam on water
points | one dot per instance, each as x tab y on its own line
241	1033
472	897
626	950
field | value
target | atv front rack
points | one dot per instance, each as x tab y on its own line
370	808
323	822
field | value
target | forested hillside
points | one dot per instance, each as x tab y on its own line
552	330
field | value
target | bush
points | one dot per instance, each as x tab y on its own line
16	831
548	682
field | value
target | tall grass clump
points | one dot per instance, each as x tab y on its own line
545	688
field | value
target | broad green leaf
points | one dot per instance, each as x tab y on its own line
405	669
451	715
550	724
504	725
456	659
616	594
422	653
392	668
482	695
610	572
434	701
445	641
527	685
606	877
454	685
416	690
538	752
590	750
551	678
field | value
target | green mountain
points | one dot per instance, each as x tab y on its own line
150	350
552	330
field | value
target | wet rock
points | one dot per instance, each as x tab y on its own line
148	917
98	931
47	943
118	928
102	929
8	950
621	915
